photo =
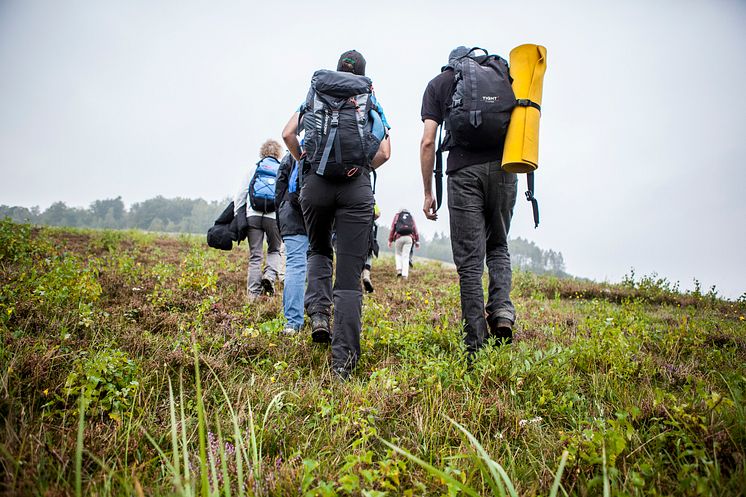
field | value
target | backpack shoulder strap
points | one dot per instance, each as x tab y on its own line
438	171
530	197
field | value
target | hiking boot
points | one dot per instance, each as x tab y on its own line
501	329
320	328
341	373
366	281
290	330
267	287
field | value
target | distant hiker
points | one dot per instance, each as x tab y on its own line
258	191
403	234
342	123
293	232
481	196
372	250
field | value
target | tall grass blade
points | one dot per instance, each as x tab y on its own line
495	470
174	433
185	450
201	425
607	486
558	476
79	450
432	469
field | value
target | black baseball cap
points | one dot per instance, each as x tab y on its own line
352	61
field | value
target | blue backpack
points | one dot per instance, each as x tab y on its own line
262	186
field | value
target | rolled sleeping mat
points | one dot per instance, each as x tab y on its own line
528	63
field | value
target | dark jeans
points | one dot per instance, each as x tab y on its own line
348	207
481	198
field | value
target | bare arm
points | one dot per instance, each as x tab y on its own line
383	154
290	136
427	160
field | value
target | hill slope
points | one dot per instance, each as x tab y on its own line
635	386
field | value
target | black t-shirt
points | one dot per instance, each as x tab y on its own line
435	102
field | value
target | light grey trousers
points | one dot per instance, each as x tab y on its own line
259	226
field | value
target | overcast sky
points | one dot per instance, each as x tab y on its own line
642	132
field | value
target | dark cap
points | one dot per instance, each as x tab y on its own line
455	54
352	61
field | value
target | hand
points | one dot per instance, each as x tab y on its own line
417	245
389	244
429	207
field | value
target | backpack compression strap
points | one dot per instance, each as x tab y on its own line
524	102
332	139
530	197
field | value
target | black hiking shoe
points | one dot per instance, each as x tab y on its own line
341	374
501	329
267	287
320	328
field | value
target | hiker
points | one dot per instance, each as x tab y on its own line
340	119
481	196
372	250
257	193
403	234
293	232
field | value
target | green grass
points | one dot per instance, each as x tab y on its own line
132	364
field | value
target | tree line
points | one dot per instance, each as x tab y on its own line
183	215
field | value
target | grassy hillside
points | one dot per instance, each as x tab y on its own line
132	364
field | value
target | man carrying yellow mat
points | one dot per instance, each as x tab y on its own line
473	98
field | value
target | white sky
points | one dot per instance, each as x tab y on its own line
642	133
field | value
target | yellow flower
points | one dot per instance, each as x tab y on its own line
46	392
741	318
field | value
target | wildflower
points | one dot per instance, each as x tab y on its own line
741	318
46	392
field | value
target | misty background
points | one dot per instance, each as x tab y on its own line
641	150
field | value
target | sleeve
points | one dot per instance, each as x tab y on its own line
432	103
242	194
392	233
281	187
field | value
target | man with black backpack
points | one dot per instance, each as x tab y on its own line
257	194
472	99
345	136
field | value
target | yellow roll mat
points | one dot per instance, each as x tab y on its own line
528	63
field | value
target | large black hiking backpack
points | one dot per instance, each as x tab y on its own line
483	99
404	223
338	140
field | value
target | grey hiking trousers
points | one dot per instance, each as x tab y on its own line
481	198
258	227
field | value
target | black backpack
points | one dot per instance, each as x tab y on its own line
404	223
338	140
483	99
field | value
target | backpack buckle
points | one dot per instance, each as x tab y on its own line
335	118
529	195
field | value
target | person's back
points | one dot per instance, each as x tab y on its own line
337	193
481	198
404	236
